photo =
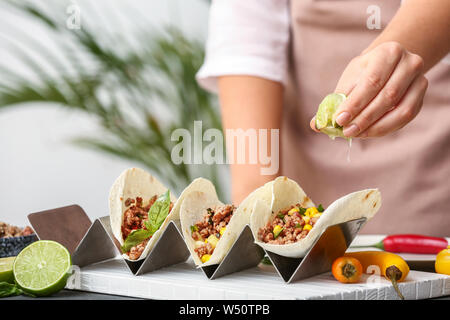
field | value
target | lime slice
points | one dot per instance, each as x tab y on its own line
42	268
325	121
6	269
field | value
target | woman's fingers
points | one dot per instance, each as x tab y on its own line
312	124
349	77
398	117
408	69
380	64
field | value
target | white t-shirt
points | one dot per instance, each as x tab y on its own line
246	37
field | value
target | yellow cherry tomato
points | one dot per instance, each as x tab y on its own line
442	264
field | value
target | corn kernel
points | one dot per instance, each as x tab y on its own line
306	219
205	257
222	230
212	240
277	230
311	211
316	215
198	244
293	210
307	227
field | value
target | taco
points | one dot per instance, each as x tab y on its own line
210	227
292	223
140	209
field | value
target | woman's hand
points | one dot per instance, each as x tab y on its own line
385	87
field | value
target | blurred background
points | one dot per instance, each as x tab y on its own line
90	88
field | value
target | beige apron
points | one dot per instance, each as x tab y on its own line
410	167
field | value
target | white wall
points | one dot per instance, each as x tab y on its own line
39	168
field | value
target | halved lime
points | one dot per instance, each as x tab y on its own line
6	269
42	268
325	120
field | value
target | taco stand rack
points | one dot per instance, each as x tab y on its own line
331	244
234	260
99	244
91	243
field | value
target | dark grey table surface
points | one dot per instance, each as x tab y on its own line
75	295
81	295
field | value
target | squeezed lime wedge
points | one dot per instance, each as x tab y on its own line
6	269
42	268
325	117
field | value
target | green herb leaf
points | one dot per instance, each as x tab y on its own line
320	208
194	228
280	215
9	289
302	211
134	238
266	260
158	212
298	225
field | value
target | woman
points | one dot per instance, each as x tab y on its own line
273	61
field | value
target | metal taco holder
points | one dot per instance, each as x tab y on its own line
243	254
332	244
90	243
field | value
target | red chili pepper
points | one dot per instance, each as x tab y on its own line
411	243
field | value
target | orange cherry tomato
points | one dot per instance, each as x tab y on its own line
347	269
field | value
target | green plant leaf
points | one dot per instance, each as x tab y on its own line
137	96
158	212
302	211
134	238
9	289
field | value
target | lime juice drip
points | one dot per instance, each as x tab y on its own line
349	147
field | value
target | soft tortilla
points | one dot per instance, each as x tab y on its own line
194	206
136	182
286	192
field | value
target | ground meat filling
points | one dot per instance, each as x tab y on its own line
208	231
136	251
134	218
290	225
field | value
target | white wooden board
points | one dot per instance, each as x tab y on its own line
184	281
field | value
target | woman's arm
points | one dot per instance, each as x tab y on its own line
421	27
385	85
249	102
246	64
